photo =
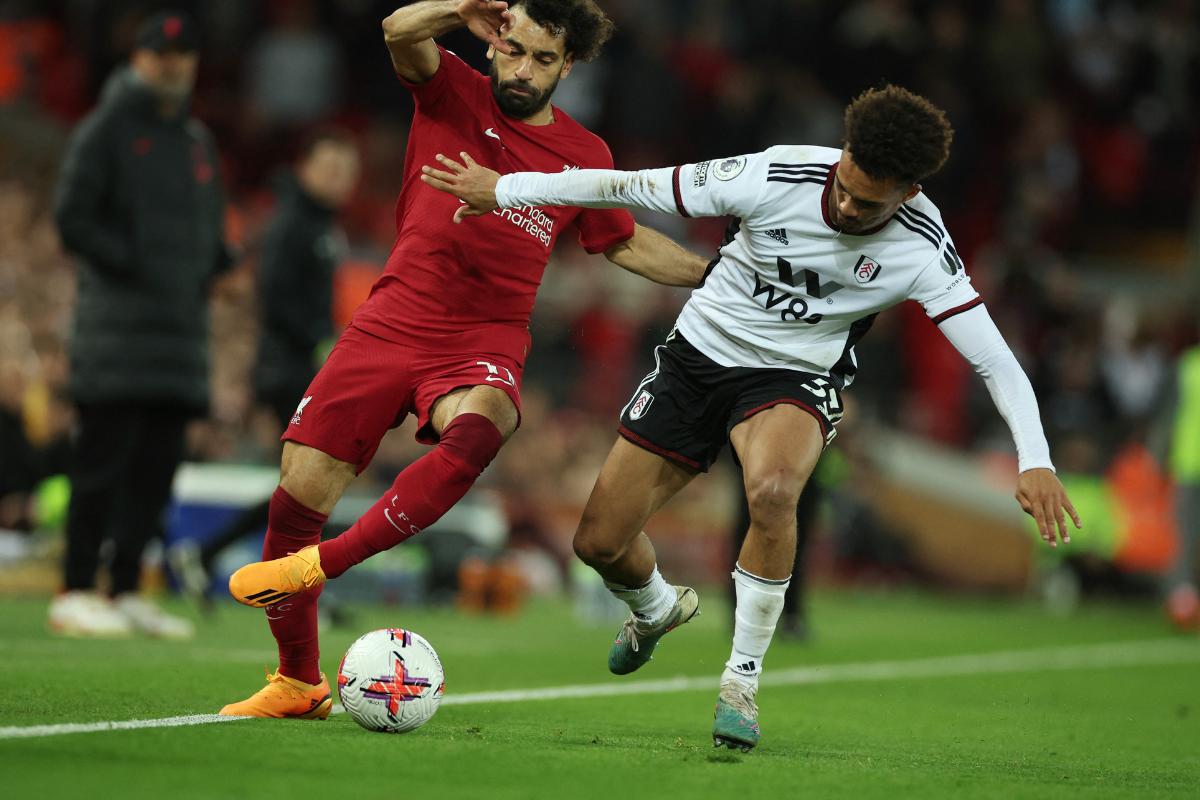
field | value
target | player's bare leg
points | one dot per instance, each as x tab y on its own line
633	484
778	449
313	478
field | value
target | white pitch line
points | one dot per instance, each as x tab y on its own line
34	731
1096	656
1113	654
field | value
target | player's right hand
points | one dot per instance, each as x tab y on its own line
1043	497
487	19
470	182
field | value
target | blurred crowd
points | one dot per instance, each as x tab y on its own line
1070	192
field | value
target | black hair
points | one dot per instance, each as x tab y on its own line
582	23
894	134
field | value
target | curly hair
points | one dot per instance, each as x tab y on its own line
581	22
893	134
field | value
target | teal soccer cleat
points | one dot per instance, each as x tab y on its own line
637	639
735	722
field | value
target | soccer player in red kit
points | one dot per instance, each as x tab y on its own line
444	333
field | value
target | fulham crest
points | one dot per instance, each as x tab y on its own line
866	270
641	405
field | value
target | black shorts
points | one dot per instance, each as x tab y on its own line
686	407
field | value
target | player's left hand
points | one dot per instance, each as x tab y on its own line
1043	497
472	183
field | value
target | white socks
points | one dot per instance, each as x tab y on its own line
759	603
649	602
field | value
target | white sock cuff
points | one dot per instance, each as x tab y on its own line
616	588
651	601
766	585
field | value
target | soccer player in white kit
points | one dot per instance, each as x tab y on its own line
823	240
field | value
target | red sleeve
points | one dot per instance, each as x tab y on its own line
453	76
603	228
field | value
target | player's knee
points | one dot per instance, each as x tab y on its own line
312	478
772	498
592	548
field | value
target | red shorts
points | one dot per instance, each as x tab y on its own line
369	385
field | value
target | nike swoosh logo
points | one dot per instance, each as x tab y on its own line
392	522
492	133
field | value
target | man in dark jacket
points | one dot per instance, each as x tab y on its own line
139	202
300	251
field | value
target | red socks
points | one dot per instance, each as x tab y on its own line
421	494
290	527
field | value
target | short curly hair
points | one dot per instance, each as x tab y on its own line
581	22
893	134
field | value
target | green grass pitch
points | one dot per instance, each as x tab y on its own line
1119	730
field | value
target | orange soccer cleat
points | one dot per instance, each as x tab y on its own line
265	583
285	697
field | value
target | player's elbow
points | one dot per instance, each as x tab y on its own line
619	254
393	26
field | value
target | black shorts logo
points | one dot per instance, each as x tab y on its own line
641	405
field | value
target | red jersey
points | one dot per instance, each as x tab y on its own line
471	287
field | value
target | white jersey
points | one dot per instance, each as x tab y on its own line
789	289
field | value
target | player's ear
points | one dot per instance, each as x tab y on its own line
568	62
913	191
491	53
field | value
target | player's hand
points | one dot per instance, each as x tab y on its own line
487	19
475	185
1043	497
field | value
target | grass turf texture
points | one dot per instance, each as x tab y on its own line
1131	731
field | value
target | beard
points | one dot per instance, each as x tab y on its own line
517	104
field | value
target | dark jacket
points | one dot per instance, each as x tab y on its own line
139	201
300	251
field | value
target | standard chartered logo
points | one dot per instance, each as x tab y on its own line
530	219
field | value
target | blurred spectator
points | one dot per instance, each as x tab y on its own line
139	202
295	70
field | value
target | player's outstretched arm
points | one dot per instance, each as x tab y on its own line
664	189
658	258
1039	491
409	31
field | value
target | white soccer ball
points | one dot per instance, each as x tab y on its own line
391	680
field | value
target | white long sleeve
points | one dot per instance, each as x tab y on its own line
731	186
589	188
975	335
